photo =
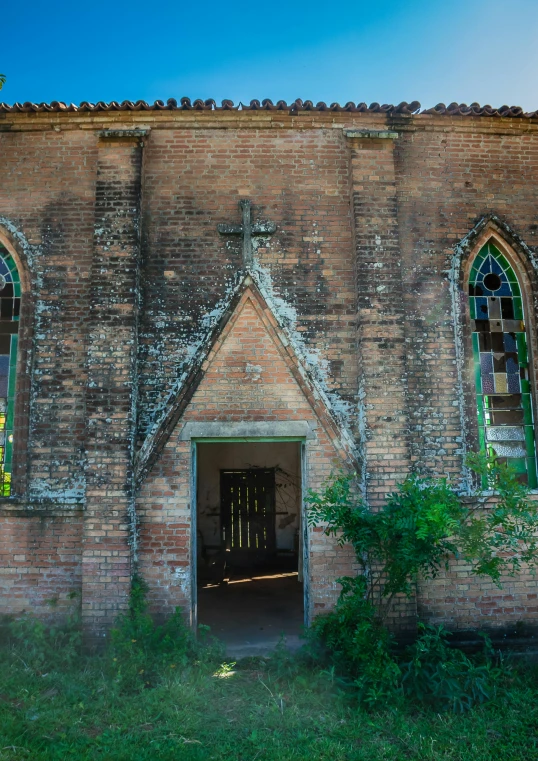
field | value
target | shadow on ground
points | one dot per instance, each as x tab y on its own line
251	614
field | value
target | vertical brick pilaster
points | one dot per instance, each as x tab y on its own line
111	364
381	319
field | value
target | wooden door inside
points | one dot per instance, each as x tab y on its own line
248	516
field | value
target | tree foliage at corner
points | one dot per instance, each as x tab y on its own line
2	80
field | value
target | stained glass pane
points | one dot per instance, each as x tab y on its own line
10	293
505	418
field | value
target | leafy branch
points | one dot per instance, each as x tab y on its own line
426	522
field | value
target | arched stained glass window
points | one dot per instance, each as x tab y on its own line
10	303
503	393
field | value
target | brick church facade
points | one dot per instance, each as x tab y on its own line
357	282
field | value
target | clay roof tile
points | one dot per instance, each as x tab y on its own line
404	108
475	109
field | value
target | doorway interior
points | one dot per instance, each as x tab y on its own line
249	543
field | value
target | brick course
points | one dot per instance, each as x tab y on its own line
111	367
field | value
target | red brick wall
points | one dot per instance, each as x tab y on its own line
381	351
40	562
47	199
47	194
448	180
388	369
461	600
111	366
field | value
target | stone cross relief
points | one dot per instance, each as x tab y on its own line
247	230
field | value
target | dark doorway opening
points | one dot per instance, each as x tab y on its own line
249	543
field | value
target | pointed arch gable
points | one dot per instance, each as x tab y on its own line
248	296
509	242
492	344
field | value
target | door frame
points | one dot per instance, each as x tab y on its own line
301	440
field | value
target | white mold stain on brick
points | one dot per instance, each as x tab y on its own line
457	318
46	491
313	367
310	358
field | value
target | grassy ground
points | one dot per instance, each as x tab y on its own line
254	711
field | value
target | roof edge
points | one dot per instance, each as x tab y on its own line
185	104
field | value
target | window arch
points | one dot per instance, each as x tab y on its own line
501	363
10	303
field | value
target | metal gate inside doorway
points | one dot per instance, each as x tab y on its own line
248	516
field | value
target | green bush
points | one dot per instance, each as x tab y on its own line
429	672
360	646
412	536
435	674
140	649
43	647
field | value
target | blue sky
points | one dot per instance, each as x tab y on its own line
374	50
